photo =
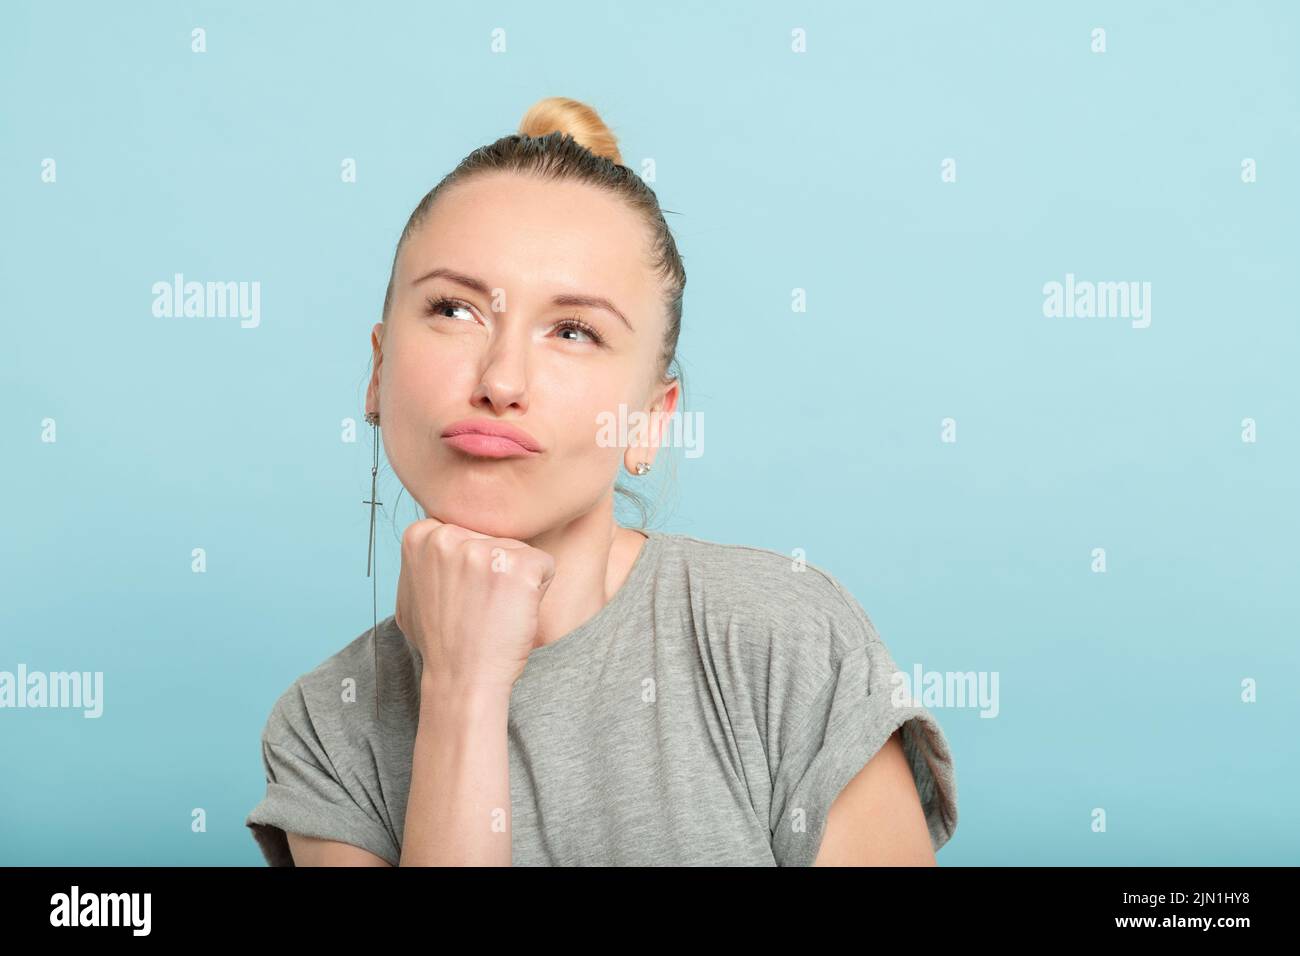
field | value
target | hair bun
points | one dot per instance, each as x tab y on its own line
564	115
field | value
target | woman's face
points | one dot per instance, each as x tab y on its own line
498	349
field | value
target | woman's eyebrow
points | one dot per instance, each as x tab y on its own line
481	287
592	302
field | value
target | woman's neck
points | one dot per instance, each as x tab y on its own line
593	556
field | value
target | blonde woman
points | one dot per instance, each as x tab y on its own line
555	688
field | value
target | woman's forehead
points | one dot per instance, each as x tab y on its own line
514	231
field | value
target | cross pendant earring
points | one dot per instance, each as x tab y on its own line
373	419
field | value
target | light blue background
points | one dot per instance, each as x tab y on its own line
817	171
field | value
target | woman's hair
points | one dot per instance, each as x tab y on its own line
564	140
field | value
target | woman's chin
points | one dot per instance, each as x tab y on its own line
484	521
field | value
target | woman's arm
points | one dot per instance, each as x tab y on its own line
311	851
468	603
458	809
877	820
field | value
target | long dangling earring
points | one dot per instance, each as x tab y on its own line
373	419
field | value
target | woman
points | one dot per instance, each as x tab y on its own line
558	689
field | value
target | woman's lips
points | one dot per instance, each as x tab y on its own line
487	446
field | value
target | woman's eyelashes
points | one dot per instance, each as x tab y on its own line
577	325
433	305
436	305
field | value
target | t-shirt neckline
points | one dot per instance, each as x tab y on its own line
641	572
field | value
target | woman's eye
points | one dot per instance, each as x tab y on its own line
437	308
582	328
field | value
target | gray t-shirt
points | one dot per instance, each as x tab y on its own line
708	714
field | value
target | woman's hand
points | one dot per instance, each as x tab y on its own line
469	603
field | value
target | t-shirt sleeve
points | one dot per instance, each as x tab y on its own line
304	794
857	709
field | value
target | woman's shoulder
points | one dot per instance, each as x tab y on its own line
782	602
335	698
801	668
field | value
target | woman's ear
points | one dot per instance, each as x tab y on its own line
658	418
668	399
661	411
376	345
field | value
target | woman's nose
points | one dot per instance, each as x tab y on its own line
504	382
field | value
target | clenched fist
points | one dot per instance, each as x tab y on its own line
468	603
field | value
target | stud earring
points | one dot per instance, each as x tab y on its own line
373	419
642	468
